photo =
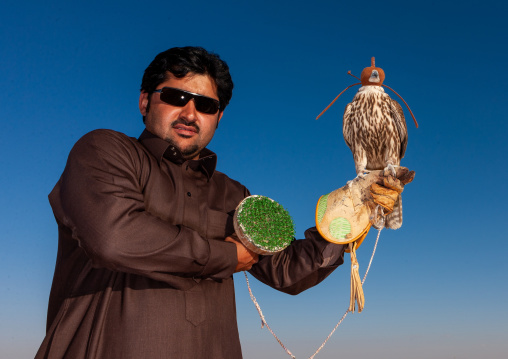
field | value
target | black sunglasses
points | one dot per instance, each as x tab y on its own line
179	98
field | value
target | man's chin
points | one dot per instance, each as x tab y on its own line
190	152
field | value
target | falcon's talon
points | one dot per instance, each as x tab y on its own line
390	168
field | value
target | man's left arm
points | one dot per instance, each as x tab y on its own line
307	262
302	265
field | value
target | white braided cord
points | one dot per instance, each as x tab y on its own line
263	320
264	323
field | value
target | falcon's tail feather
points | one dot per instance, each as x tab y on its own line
394	219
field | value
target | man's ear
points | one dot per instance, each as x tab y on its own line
143	103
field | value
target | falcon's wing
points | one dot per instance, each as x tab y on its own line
400	125
347	128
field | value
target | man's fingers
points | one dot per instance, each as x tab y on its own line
250	264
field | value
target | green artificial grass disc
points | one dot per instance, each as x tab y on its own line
266	224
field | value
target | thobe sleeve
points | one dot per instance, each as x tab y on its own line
100	199
303	264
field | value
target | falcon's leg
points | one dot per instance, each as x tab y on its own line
390	169
360	158
362	174
359	176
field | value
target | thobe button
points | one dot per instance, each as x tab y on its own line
188	194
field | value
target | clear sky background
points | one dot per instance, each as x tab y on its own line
437	287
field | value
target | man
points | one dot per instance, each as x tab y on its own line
146	241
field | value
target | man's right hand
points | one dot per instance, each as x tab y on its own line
246	258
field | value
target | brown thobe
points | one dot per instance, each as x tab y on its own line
142	269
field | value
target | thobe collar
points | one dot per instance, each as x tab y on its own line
162	149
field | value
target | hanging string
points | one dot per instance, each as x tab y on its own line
347	311
264	323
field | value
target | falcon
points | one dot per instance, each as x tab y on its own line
374	126
375	130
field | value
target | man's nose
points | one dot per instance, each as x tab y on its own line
189	111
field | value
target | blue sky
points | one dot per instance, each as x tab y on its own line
437	287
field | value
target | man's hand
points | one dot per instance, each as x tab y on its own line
246	258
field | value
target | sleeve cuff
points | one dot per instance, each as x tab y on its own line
222	260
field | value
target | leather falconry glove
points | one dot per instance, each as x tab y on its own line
387	194
346	214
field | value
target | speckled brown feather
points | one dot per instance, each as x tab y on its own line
375	130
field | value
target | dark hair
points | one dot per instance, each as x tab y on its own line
183	60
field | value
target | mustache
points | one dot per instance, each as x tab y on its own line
184	122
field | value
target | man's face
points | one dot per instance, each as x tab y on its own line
184	127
